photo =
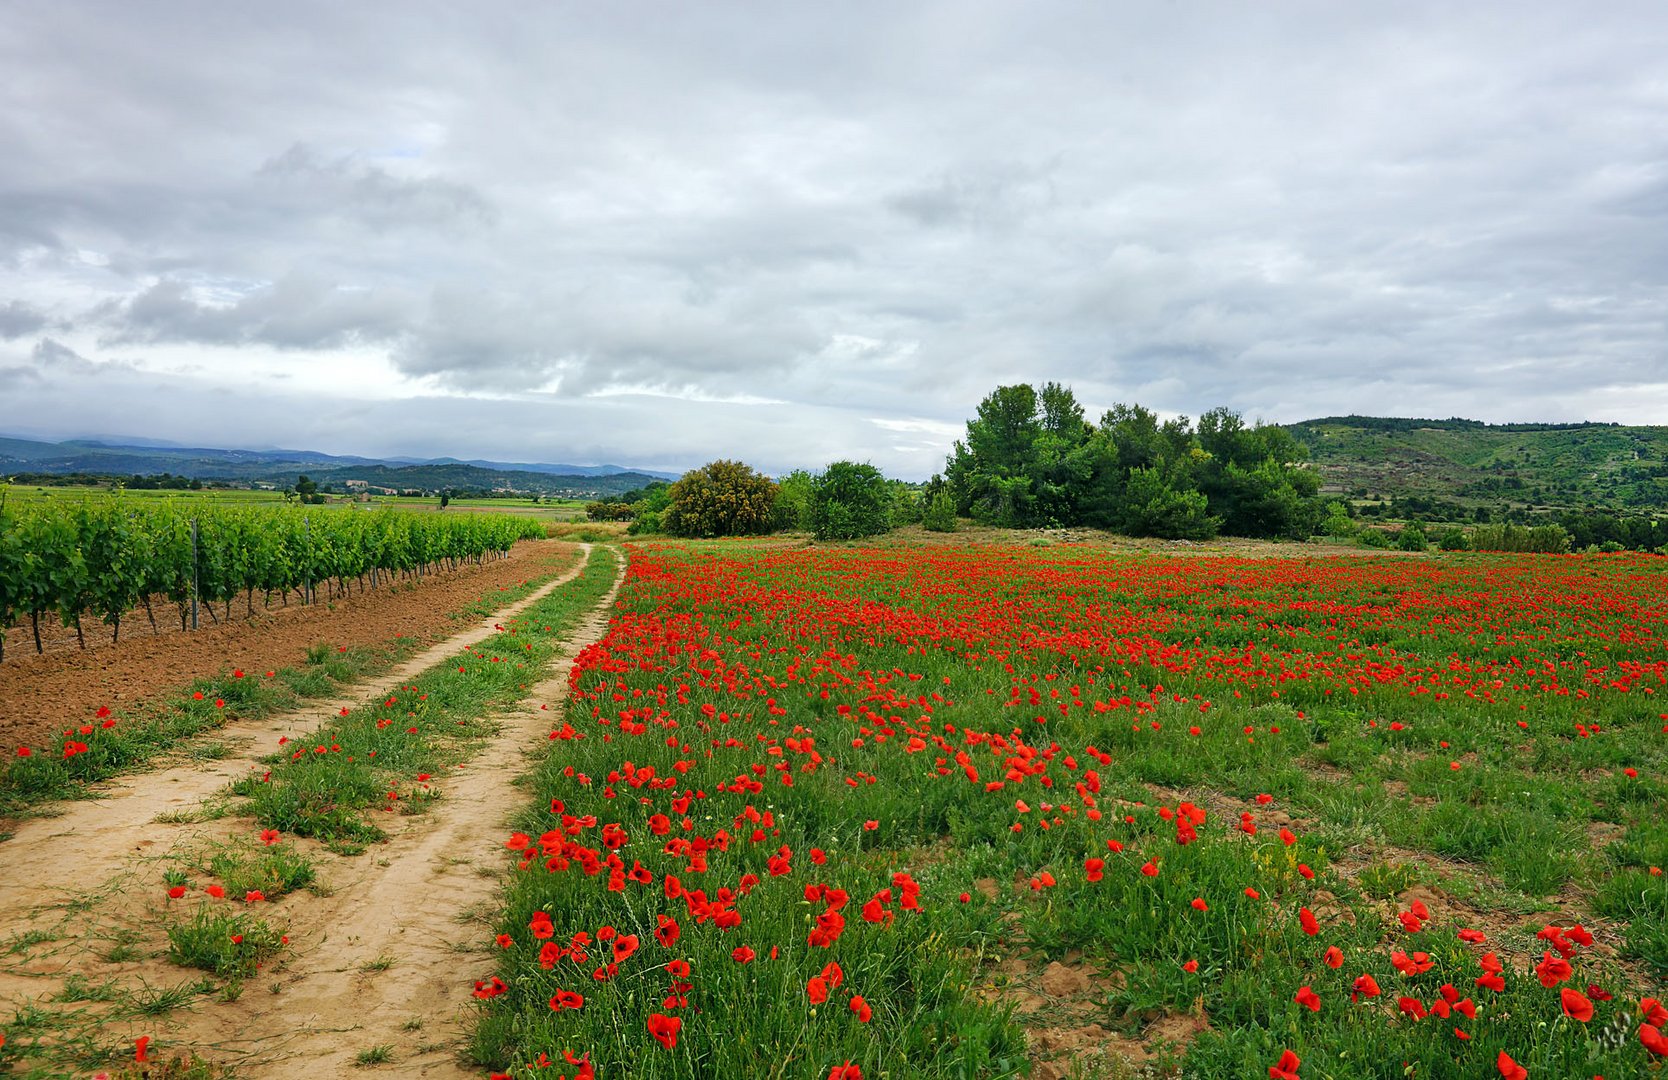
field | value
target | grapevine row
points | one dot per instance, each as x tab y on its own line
110	557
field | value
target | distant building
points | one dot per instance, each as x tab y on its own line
356	485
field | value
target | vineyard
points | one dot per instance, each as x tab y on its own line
111	558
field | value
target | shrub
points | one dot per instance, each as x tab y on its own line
1453	540
1374	538
722	498
610	510
941	514
849	501
1412	538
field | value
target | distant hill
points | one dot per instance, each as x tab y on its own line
1582	466
97	456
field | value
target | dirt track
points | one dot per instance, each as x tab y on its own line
330	995
41	695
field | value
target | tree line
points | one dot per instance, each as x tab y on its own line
1030	459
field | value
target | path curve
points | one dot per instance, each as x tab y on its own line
406	900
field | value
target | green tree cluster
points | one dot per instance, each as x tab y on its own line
1030	459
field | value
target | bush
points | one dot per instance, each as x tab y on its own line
1412	538
646	522
941	514
1453	540
722	498
1337	523
791	509
849	501
1374	538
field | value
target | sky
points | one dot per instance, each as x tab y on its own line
656	234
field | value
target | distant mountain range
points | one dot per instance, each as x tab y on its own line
125	458
1582	466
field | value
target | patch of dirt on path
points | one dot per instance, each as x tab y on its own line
41	695
383	956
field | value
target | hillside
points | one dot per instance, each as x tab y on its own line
283	466
1557	466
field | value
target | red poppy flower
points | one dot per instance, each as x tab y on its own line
1653	1012
1307	998
1651	1037
566	999
664	1029
1552	970
743	955
176	892
1509	1069
1575	1003
861	1008
1191	966
140	1045
848	1071
1334	957
1286	1067
1365	986
1311	926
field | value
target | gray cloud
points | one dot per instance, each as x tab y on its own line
18	319
296	312
871	214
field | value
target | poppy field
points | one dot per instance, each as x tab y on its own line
990	811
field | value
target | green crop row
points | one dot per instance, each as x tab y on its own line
112	557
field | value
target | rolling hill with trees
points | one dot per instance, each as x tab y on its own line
1586	466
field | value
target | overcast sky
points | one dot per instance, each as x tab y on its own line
655	234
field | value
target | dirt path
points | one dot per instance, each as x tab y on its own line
374	962
42	695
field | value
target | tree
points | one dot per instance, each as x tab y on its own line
1024	461
790	510
849	501
1152	507
941	514
722	498
1131	438
651	509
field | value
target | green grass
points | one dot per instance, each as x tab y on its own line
375	1055
224	943
393	755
